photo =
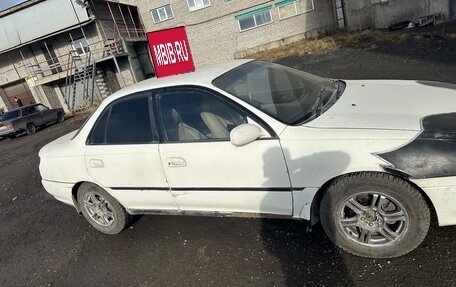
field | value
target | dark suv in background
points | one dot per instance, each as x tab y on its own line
28	118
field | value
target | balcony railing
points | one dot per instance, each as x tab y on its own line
57	66
60	64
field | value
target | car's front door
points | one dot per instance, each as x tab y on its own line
205	171
47	115
122	155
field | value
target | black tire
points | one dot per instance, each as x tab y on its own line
368	233
115	223
30	129
60	117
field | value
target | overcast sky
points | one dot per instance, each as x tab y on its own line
5	4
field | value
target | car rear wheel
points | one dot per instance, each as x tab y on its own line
374	215
60	117
101	210
30	128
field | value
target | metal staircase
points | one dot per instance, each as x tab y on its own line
80	81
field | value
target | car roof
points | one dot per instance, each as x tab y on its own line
203	75
20	108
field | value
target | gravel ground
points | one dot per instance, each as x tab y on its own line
45	243
433	58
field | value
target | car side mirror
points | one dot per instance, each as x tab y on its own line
244	134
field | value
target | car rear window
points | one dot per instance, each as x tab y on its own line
129	122
124	122
11	115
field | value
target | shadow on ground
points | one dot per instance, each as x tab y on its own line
306	258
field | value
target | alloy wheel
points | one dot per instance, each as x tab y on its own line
99	209
373	219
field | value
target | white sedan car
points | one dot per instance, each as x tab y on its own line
369	159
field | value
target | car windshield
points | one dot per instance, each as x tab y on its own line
11	115
289	95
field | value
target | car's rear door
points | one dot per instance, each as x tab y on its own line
122	155
205	171
30	114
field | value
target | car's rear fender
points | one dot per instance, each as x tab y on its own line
74	195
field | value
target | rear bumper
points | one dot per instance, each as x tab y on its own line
442	193
6	131
61	191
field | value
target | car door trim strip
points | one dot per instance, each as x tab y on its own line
212	188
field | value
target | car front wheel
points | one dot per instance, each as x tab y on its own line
60	117
101	210
374	215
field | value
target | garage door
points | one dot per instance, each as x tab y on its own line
21	91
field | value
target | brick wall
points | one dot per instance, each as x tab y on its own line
8	73
33	54
51	96
214	32
4	101
40	95
60	98
125	77
61	45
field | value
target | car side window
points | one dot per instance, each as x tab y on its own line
41	108
98	135
29	110
189	114
124	122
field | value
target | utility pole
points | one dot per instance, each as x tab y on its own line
77	17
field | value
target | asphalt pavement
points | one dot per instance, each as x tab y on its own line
46	243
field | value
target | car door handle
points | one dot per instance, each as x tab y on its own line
176	162
96	163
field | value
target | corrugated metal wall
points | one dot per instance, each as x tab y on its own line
39	20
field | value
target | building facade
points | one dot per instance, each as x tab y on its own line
91	48
225	29
81	54
383	13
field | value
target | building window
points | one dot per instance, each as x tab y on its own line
162	13
290	8
254	18
80	46
198	4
